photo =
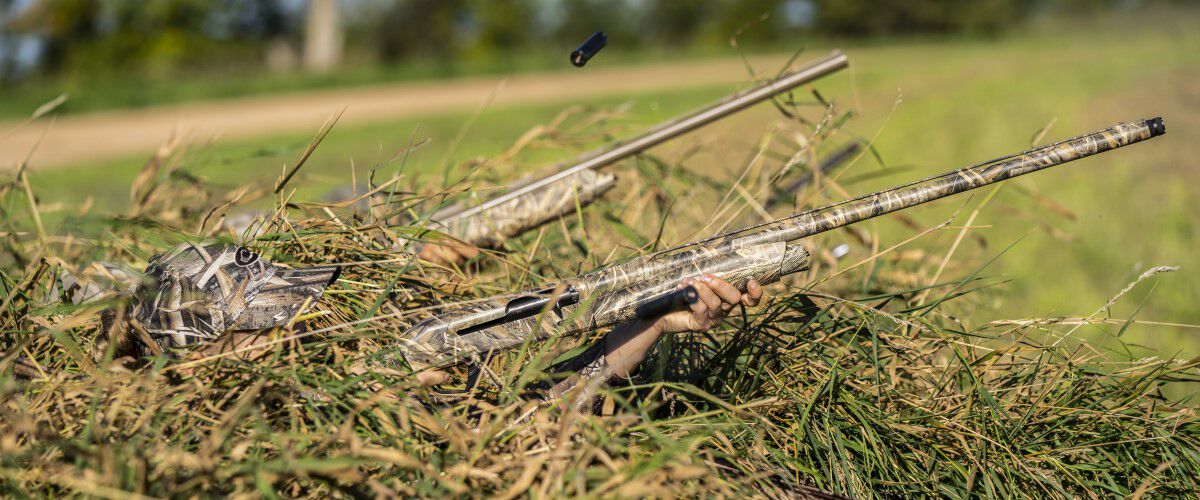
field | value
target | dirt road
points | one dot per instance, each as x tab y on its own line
114	134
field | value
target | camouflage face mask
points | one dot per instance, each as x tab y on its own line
196	293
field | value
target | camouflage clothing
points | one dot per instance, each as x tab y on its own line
195	293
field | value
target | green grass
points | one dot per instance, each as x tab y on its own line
958	103
102	93
885	380
362	147
1132	209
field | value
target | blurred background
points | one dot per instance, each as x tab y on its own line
113	53
934	85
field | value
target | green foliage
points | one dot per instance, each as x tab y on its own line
581	18
418	27
675	22
85	38
751	21
94	39
866	18
504	24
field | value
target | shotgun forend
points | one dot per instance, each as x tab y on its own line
518	214
646	286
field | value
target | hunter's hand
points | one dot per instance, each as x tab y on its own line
445	254
716	299
629	342
432	378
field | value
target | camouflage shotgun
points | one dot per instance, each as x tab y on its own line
644	287
533	203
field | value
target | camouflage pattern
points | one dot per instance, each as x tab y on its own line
605	297
615	294
196	293
589	366
98	281
493	227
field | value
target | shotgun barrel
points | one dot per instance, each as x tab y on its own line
827	164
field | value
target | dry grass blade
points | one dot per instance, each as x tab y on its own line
308	151
847	382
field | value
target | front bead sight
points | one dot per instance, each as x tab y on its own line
1156	125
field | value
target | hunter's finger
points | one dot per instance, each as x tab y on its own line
709	297
433	253
432	378
699	307
445	254
728	293
465	252
754	293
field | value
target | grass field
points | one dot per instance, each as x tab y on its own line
928	108
876	376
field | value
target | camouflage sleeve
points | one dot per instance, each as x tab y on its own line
590	365
577	378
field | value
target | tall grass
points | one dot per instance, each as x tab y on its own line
864	376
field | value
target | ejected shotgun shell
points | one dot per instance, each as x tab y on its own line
589	48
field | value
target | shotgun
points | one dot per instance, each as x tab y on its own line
645	287
536	202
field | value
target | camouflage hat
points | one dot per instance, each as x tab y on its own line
196	293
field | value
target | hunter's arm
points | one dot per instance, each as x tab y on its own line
611	359
616	356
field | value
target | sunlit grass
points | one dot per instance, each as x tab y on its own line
866	376
929	107
1006	374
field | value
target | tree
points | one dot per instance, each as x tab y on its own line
420	27
676	22
867	18
751	20
617	19
503	24
324	37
